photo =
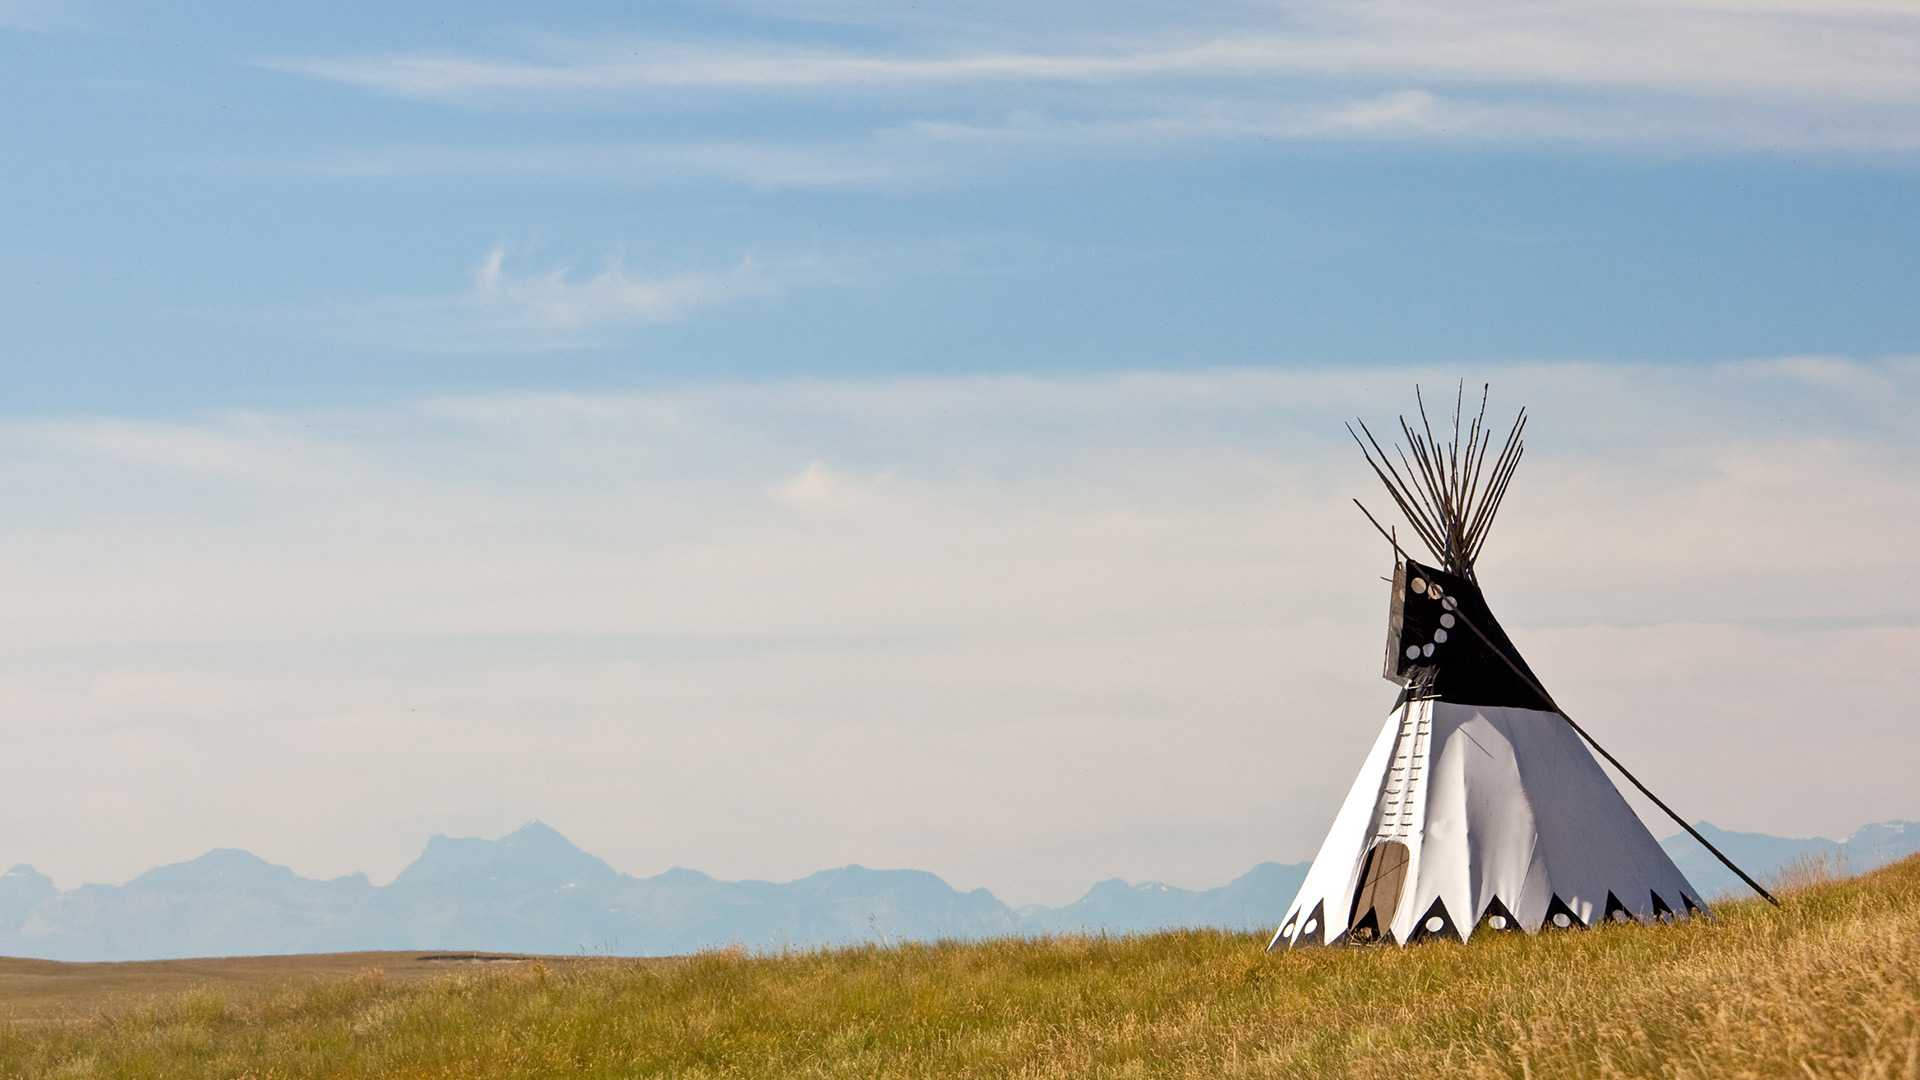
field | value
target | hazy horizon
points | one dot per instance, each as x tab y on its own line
1669	839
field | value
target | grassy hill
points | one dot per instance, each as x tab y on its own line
1829	986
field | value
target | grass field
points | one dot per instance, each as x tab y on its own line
49	992
1829	986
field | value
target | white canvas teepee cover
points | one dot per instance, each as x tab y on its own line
1507	821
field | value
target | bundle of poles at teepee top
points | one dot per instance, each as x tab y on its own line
1448	494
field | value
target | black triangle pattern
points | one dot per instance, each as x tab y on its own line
1555	910
1497	917
1301	933
1284	939
1367	930
1616	912
1314	930
1661	912
1435	924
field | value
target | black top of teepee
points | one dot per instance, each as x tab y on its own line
1443	642
1442	639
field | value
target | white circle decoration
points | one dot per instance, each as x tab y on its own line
1434	923
1418	584
1498	922
1312	925
1446	620
1413	652
1427	649
1439	637
1560	920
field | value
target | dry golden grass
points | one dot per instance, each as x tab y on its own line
1830	986
47	991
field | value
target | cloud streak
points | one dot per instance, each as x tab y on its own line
1425	116
934	151
1785	77
1851	53
507	309
556	300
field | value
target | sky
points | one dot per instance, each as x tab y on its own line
762	437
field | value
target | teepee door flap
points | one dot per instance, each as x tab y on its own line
1378	897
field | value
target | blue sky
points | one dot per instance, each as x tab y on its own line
766	436
240	206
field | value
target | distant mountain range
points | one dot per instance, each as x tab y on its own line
534	891
1765	856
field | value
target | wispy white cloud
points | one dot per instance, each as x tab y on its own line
506	309
1402	113
558	300
1789	77
937	151
1424	115
820	487
1830	373
1853	52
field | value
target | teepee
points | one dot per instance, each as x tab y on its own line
1479	807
